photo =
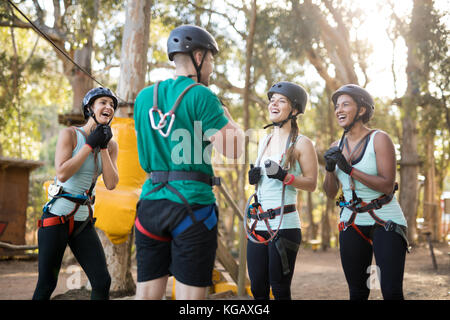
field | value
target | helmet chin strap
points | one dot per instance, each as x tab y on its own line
281	123
92	115
349	127
198	68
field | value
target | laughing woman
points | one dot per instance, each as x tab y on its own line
82	154
371	222
289	163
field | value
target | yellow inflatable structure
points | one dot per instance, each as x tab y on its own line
115	210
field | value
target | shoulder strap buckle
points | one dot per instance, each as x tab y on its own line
216	181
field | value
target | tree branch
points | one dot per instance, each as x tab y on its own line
232	23
316	61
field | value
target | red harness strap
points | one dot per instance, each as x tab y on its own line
342	227
148	233
53	221
351	222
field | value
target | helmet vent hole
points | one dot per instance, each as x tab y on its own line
188	38
175	40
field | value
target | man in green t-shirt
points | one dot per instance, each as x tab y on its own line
177	122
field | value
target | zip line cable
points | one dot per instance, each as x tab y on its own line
42	33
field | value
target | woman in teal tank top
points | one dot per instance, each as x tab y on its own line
82	154
286	161
371	222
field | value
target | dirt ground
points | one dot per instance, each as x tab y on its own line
318	276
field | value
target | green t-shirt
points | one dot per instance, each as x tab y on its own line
187	148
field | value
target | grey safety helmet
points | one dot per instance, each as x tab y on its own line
186	39
361	97
90	97
295	93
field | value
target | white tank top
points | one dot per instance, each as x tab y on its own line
368	164
78	183
269	193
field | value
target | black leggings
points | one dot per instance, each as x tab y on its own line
389	249
265	268
88	251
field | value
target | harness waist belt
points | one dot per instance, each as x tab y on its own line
272	213
375	204
167	176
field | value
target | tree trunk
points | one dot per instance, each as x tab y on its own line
118	259
408	175
326	229
409	164
242	176
132	79
79	81
430	203
313	228
133	63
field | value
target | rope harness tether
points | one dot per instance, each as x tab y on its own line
168	116
255	210
61	51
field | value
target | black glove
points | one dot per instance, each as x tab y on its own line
108	135
330	163
274	171
341	162
254	174
96	138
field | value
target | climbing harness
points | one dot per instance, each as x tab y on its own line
56	191
168	116
254	210
357	205
207	214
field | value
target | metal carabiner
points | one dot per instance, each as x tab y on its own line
168	114
162	121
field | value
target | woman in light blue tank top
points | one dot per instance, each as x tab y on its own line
286	161
82	154
371	220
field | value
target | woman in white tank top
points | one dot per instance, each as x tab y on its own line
372	222
286	161
82	154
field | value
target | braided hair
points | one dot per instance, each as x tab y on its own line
290	153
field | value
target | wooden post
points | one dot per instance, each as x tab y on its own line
242	279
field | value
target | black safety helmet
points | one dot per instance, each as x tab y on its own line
187	38
93	94
295	93
361	97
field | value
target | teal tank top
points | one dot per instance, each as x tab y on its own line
368	164
269	193
78	183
